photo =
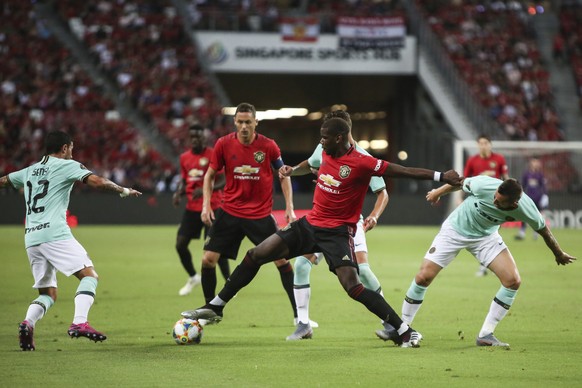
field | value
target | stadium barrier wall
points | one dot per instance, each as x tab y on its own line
409	209
99	208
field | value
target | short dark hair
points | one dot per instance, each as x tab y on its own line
484	136
336	126
511	188
196	127
55	140
246	107
340	114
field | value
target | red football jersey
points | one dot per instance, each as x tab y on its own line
341	187
193	167
493	166
249	177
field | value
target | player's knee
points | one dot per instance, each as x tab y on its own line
513	282
181	247
51	292
423	279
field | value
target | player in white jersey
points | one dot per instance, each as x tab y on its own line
474	225
49	242
303	264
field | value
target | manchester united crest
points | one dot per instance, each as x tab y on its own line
344	172
203	162
259	156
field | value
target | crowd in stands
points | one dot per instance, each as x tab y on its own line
142	45
493	46
43	89
264	15
568	45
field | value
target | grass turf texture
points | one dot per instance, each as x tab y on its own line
137	304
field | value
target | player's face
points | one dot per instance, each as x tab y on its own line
328	142
68	151
503	202
196	139
245	124
484	147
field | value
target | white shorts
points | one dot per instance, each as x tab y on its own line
360	238
448	243
65	256
359	242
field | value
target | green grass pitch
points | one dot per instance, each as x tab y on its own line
137	304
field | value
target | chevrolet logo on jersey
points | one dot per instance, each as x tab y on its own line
259	156
329	180
195	173
246	170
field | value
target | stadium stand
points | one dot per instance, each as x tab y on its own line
492	44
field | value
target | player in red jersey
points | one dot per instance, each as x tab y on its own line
193	166
486	162
329	227
489	163
248	160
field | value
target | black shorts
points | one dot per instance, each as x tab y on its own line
192	225
336	244
228	231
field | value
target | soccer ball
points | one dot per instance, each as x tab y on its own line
187	332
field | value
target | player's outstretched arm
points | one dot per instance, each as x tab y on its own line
562	258
397	171
98	182
435	195
300	169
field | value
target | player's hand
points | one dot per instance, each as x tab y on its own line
128	192
176	198
452	178
207	216
370	222
564	259
285	171
197	193
134	193
290	216
433	197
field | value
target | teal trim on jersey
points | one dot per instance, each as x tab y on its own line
416	292
369	280
478	217
87	286
302	271
376	182
45	301
506	295
47	187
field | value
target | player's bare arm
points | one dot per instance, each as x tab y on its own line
562	258
382	199
207	214
302	168
101	183
434	195
397	171
180	191
288	195
4	181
